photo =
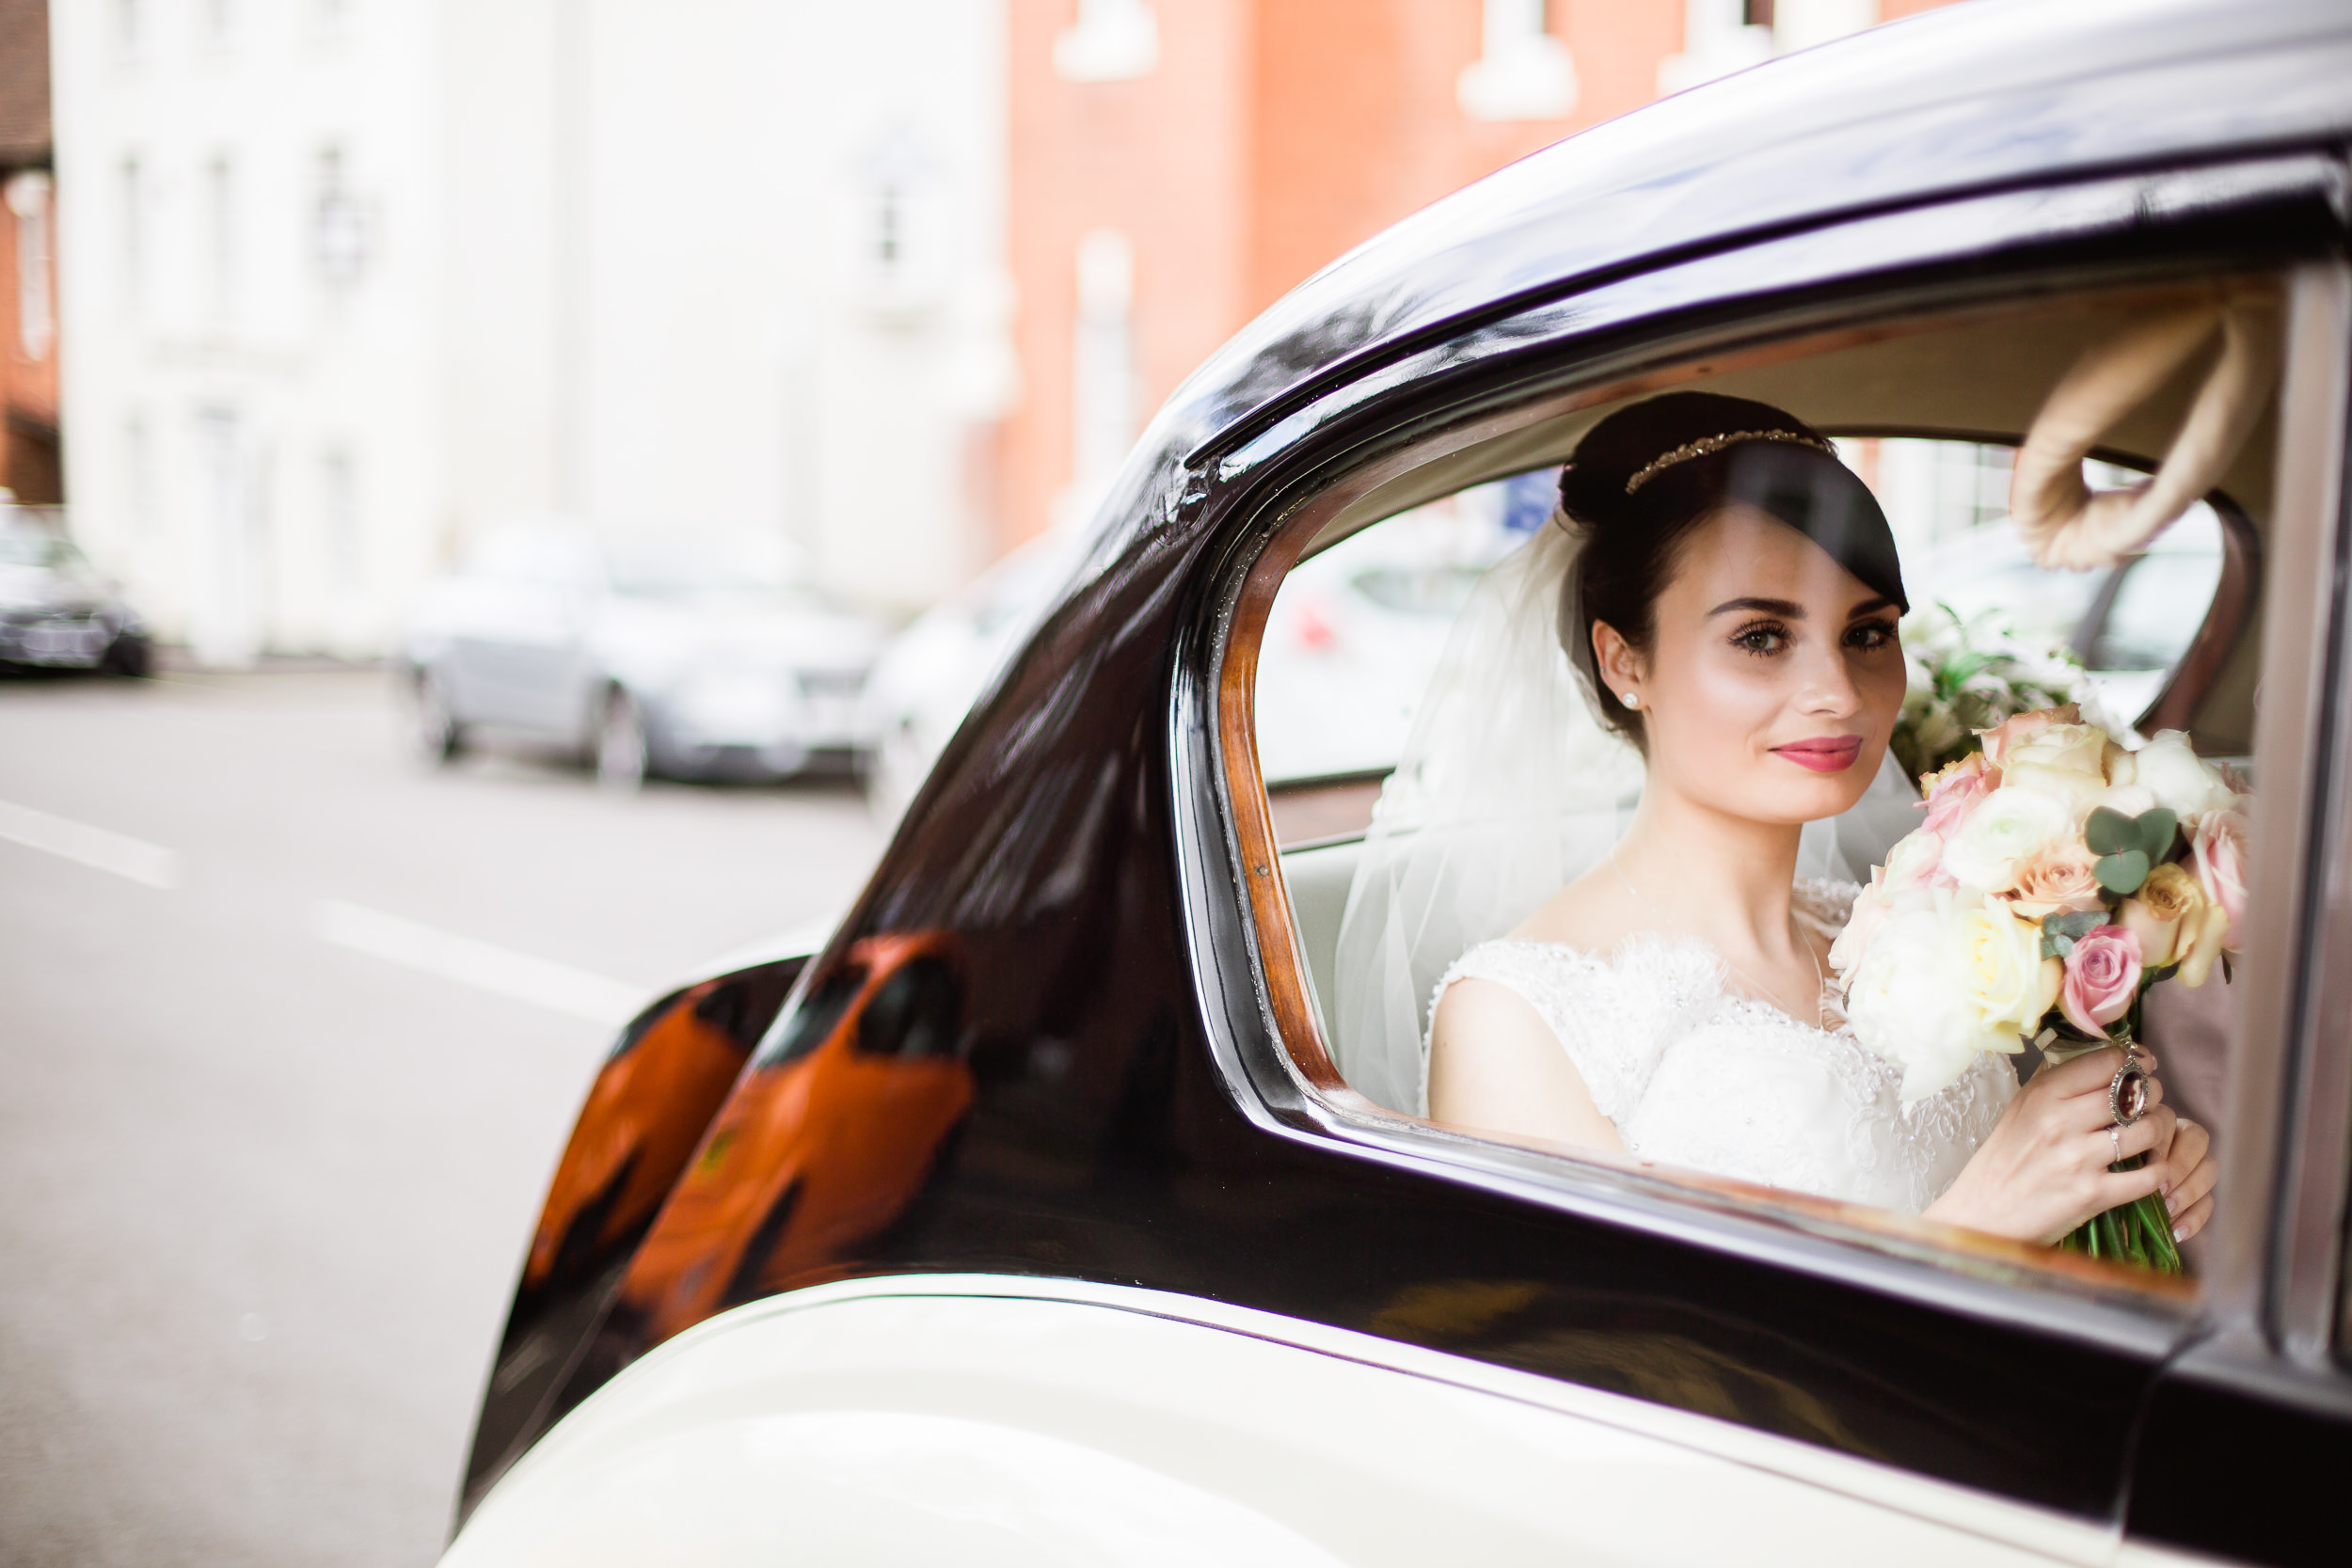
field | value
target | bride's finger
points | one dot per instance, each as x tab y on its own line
2149	1134
2117	1188
2192	1220
2189	1188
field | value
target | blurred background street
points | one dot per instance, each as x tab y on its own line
267	1189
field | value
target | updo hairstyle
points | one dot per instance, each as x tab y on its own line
1645	477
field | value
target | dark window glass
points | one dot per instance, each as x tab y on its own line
811	1023
916	1012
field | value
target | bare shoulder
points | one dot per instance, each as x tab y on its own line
1496	1066
1591	915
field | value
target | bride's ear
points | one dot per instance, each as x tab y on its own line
1618	661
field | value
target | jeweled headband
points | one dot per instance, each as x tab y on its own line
1707	446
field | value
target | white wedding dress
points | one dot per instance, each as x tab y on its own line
1693	1075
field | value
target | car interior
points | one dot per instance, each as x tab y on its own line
1929	410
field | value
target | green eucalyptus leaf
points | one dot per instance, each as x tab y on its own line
2109	831
2153	831
2121	873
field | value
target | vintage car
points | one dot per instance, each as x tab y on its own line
1040	1226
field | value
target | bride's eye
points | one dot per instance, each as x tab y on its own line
1761	638
1869	636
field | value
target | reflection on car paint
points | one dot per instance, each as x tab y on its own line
825	1141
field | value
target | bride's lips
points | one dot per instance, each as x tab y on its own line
1826	754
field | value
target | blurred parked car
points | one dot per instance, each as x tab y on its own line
56	611
932	673
687	655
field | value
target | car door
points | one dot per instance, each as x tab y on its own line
520	617
2075	1401
2248	1435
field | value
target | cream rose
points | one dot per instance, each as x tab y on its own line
1910	1001
2063	879
2007	826
2156	914
2170	768
2072	748
2011	984
2019	727
2199	941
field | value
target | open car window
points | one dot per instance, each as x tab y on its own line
1930	413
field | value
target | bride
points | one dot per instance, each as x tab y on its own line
1726	592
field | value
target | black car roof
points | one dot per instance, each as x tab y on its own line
1972	97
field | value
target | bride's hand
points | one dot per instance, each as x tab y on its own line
2044	1170
2188	1175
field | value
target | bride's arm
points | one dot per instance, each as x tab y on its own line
1494	1066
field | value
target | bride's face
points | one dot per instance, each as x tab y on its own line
1773	677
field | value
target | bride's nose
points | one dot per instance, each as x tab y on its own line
1828	690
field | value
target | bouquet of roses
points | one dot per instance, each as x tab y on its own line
2057	878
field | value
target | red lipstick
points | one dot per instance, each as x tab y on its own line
1829	753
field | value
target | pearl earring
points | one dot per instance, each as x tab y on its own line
1631	698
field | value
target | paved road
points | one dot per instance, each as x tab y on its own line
288	1046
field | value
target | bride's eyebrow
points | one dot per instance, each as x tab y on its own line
1869	607
1789	607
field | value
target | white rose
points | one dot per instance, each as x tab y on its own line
1912	860
2006	827
2075	788
2179	778
2007	976
1910	1002
2132	799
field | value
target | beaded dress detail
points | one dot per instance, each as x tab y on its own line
1695	1075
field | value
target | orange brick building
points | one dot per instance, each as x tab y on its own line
1178	166
29	453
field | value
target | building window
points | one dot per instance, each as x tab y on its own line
339	228
35	322
1718	37
1113	41
131	197
220	238
1101	390
1523	73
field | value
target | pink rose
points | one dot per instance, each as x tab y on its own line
2018	726
2218	848
2102	977
1952	792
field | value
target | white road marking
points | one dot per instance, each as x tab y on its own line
541	982
135	858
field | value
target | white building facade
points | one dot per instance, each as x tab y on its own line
345	282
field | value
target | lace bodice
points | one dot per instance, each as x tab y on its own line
1693	1075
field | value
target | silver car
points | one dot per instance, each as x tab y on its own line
57	610
686	655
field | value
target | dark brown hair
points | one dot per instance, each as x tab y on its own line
1645	477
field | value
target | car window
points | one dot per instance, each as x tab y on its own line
543	556
916	1012
1360	662
30	544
